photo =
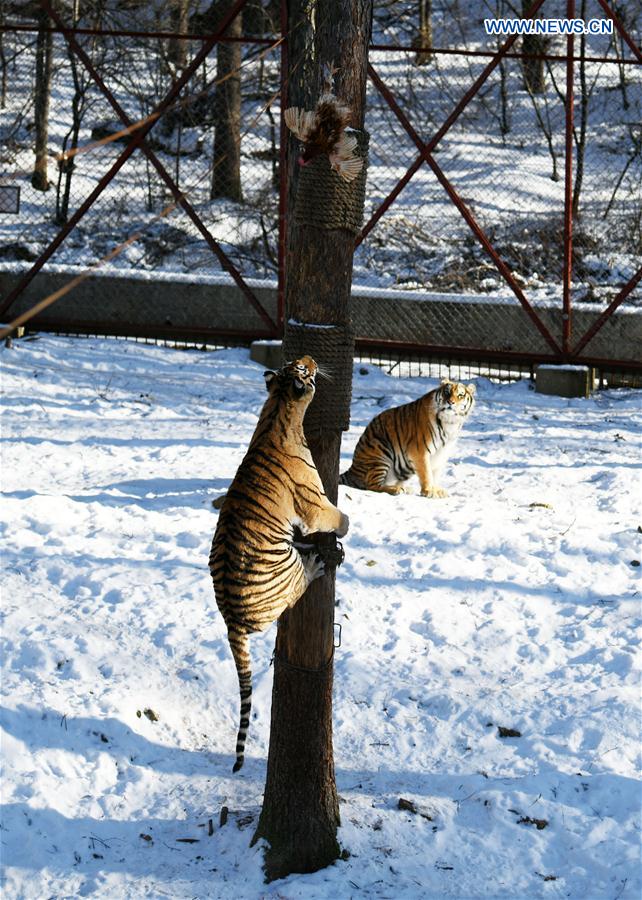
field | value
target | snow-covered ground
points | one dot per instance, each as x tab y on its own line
513	603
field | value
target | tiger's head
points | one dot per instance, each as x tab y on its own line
455	399
295	380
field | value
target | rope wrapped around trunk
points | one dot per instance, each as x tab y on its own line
332	348
324	200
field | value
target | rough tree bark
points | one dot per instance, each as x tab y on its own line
226	171
300	811
532	68
3	61
179	23
42	91
423	41
580	136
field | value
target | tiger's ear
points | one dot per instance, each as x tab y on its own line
269	378
446	381
472	389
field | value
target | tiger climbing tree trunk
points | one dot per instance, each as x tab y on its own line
300	814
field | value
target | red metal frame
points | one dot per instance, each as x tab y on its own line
566	352
139	142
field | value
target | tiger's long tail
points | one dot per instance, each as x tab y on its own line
346	478
240	646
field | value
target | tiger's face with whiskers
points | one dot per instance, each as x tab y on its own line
455	399
295	380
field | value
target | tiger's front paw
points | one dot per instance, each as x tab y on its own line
342	530
434	492
314	566
333	556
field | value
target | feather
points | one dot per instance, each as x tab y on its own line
347	169
345	146
300	122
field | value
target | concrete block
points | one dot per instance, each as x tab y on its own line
565	381
267	353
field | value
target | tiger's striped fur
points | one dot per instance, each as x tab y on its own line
257	571
413	439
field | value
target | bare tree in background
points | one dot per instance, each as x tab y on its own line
255	19
81	81
579	134
42	92
226	165
423	41
533	67
179	23
3	61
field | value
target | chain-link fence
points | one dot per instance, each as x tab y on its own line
228	171
477	234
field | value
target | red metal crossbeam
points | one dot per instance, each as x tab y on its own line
463	209
113	32
465	353
133	144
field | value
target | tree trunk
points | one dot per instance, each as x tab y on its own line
66	165
226	172
3	61
300	812
580	138
254	18
533	69
179	20
42	90
423	41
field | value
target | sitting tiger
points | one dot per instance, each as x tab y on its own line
413	439
257	570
